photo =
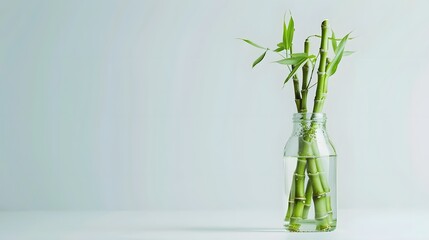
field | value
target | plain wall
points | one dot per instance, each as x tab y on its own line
153	105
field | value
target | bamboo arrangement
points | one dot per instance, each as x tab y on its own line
317	189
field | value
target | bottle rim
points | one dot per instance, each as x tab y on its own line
310	117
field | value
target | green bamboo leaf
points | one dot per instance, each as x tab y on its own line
290	32
259	59
302	55
339	39
252	43
285	36
334	42
291	60
348	53
295	70
280	46
299	55
332	67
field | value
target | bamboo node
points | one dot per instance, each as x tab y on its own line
320	195
322	217
313	174
299	175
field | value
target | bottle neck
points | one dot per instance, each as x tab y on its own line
306	121
309	136
317	118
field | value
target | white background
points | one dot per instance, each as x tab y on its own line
153	105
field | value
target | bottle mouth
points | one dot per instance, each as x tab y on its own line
313	117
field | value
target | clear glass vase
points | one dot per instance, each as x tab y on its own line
310	176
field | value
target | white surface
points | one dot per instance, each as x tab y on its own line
368	225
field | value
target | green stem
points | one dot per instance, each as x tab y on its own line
321	72
299	180
305	77
297	92
325	87
296	88
319	195
301	211
299	200
308	197
291	201
319	183
296	195
329	209
325	184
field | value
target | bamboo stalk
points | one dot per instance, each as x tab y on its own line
304	94
299	200
329	209
297	185
301	103
326	188
308	197
296	90
319	193
305	78
291	201
298	209
321	73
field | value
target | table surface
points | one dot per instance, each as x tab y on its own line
352	224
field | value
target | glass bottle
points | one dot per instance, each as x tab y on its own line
310	176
